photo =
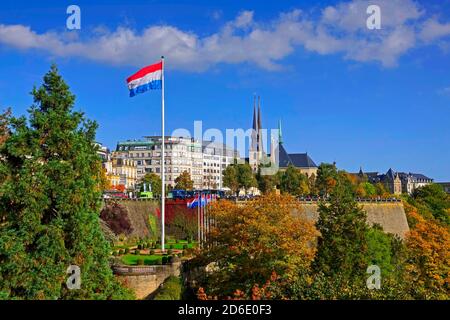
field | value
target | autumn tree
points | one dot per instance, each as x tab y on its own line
184	181
249	242
50	198
428	264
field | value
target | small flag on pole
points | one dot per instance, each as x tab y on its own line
148	78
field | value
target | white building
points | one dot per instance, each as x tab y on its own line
204	162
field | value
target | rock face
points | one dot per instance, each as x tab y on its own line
391	216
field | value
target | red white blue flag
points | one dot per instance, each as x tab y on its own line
148	78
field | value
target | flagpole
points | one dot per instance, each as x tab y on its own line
163	174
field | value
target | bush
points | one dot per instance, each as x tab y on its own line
140	262
177	241
171	289
164	260
169	246
159	262
185	246
139	246
137	252
126	251
170	259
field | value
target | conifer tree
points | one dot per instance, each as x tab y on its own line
342	247
50	199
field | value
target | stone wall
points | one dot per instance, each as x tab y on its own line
145	280
391	216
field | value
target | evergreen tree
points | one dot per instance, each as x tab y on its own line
51	200
327	176
342	246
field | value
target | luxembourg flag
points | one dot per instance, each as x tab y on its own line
148	78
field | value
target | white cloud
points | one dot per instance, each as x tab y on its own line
433	30
340	29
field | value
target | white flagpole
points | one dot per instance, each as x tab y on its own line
163	174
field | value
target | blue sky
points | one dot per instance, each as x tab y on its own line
370	98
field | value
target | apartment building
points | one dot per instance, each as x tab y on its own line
203	161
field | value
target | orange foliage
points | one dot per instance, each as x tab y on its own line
428	265
119	187
252	240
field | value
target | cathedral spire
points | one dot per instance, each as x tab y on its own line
280	137
254	142
260	138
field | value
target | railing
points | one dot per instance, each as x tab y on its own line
135	270
366	200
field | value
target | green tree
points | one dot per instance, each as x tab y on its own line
184	181
294	182
327	176
290	181
230	178
154	181
266	183
50	198
432	200
342	245
245	176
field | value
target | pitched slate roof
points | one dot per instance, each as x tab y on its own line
299	160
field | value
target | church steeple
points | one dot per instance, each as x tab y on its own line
280	137
254	127
260	140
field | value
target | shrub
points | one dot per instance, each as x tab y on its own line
126	251
185	246
140	262
158	262
171	289
169	246
139	246
116	217
164	260
170	259
177	241
137	252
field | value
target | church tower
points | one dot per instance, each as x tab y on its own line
256	151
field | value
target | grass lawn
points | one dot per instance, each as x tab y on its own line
131	259
178	246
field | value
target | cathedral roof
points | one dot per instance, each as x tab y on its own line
299	160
